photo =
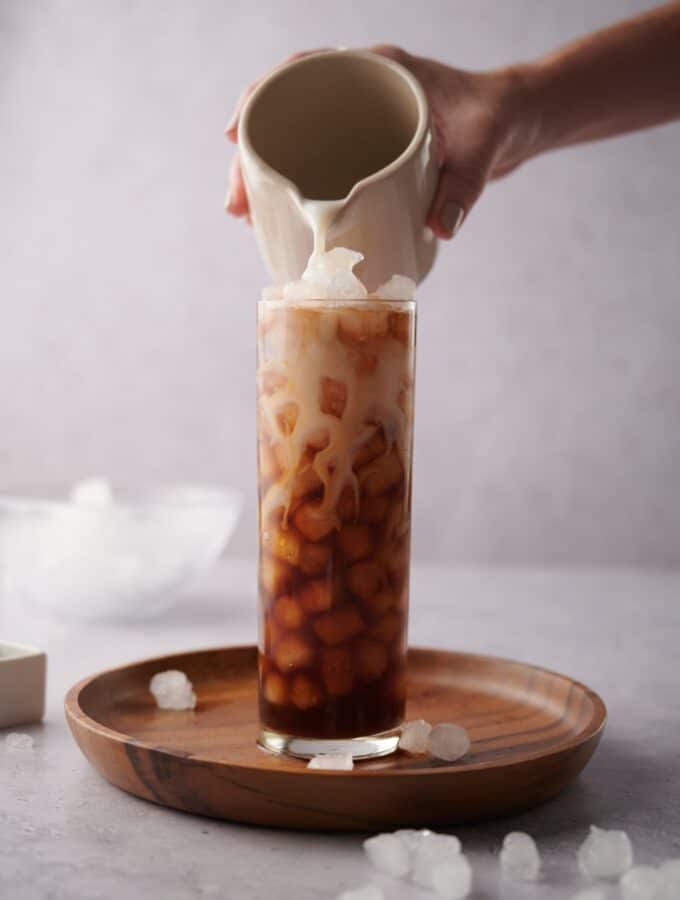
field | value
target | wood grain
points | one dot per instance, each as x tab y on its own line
532	732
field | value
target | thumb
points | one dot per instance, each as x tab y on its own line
455	196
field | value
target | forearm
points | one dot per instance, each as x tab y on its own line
617	80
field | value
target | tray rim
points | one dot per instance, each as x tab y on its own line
593	731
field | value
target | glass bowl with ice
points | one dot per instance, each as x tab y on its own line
99	554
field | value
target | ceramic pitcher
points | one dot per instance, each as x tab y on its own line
349	127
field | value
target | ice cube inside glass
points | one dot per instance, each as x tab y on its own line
335	429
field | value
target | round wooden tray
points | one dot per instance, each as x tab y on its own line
532	732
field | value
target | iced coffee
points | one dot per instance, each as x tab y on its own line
335	422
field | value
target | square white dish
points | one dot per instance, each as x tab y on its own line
23	672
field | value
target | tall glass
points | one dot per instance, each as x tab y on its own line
335	434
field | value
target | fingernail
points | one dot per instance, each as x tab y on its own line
227	201
231	124
451	217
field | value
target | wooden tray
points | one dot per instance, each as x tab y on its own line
532	732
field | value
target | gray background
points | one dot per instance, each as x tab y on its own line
548	423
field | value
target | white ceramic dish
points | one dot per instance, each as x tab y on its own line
22	684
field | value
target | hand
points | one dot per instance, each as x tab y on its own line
478	137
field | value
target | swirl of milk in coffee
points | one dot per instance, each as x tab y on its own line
335	372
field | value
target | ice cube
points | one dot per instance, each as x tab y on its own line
452	879
328	276
399	287
449	742
363	892
172	690
432	850
301	290
520	859
93	493
342	761
344	286
412	837
640	883
605	854
389	853
592	893
414	736
17	740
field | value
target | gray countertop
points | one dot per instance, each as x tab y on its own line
66	833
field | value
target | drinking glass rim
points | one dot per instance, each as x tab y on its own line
372	303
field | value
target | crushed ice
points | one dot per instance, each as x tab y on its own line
444	741
172	690
449	742
433	861
330	276
519	858
338	761
605	854
415	736
17	740
389	853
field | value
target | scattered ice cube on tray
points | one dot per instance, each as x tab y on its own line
363	892
389	853
449	742
605	854
172	690
17	740
338	761
452	879
432	850
591	893
640	883
414	736
520	859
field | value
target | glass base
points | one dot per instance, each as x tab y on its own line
306	747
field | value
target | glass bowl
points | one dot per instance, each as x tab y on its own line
95	558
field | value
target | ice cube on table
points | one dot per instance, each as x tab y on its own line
432	850
452	879
338	761
363	892
449	742
172	690
605	854
412	837
17	740
640	883
519	857
415	736
389	853
592	893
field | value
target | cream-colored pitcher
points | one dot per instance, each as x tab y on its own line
337	150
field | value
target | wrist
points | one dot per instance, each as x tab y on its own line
522	114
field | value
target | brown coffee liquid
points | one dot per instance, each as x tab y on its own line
335	408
